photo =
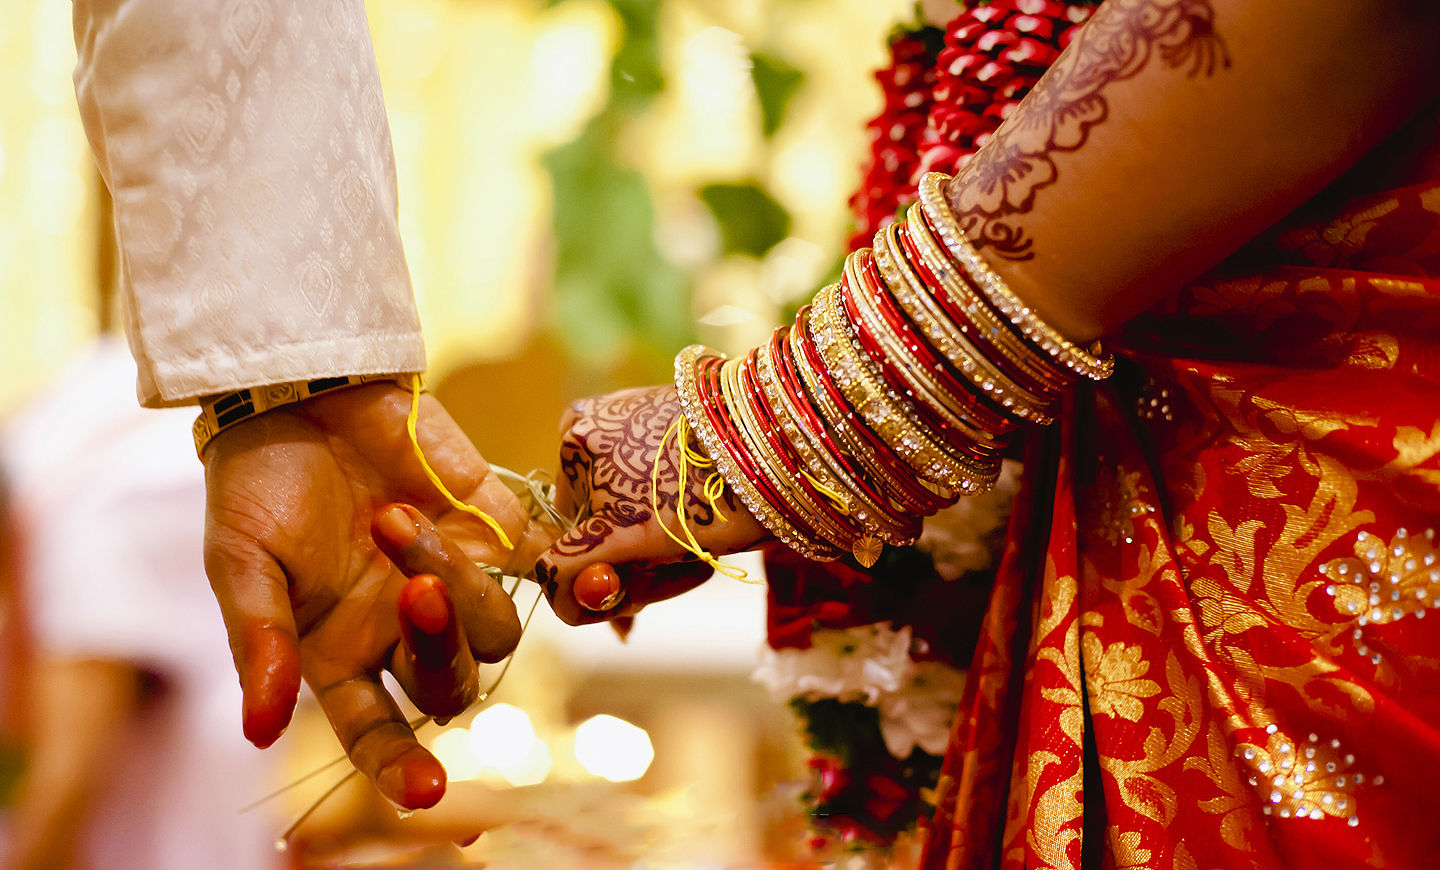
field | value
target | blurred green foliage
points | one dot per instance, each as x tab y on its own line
776	82
751	221
617	299
621	310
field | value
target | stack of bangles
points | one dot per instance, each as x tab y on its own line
894	392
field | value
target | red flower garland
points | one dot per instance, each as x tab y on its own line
941	105
994	54
940	108
895	133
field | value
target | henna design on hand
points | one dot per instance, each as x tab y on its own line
608	457
1122	38
546	574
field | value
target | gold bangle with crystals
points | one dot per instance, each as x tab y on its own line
914	298
987	324
919	380
817	457
218	413
886	414
892	515
804	510
1038	332
687	364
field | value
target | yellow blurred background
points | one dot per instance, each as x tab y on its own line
585	186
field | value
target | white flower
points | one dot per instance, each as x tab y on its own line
854	664
960	537
921	712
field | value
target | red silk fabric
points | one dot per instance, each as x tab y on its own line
1220	577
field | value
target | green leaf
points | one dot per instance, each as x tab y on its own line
751	221
616	298
776	82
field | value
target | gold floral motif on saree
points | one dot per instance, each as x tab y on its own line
1308	779
1384	583
1341	238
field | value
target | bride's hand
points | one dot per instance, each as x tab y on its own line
606	462
304	589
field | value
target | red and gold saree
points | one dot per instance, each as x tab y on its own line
1210	641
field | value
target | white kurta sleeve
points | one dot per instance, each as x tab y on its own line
246	146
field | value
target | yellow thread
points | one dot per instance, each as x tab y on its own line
714	484
835	498
410	426
680	429
714	488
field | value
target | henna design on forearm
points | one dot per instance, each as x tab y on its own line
1003	178
608	457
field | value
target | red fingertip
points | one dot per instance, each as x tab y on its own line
597	587
394	523
415	780
270	685
426	603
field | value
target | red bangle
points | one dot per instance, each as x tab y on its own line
982	412
770	427
725	427
961	444
865	474
1045	379
914	497
789	383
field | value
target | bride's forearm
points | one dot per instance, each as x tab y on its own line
1173	131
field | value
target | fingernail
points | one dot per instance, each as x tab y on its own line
415	780
426	603
597	587
397	526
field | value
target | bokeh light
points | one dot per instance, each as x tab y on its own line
502	736
502	742
613	749
452	748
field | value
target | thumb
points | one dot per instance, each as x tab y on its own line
254	601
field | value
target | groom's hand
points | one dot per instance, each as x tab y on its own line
607	459
304	590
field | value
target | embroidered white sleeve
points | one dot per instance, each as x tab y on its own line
246	145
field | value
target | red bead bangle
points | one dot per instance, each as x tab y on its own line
980	410
865	503
888	466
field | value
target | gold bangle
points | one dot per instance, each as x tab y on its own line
987	324
914	298
802	507
817	457
922	383
1038	332
841	427
686	370
886	414
218	413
